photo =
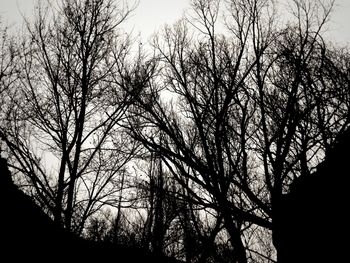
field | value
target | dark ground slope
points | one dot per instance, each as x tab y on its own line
27	234
314	216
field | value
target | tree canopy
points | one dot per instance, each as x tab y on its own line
186	147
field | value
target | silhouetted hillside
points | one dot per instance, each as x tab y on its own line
27	233
314	216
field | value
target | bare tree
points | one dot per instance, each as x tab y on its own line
231	115
302	102
250	111
65	136
207	82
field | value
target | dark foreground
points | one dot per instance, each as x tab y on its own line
29	235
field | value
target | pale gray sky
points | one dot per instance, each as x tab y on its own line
151	15
340	23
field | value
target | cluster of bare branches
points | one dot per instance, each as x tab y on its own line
193	147
70	96
252	109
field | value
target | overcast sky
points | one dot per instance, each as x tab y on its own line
151	15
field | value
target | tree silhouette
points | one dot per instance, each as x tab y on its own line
222	143
71	96
252	110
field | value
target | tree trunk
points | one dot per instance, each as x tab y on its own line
239	253
60	191
158	231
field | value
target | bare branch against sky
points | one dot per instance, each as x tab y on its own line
151	15
198	130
